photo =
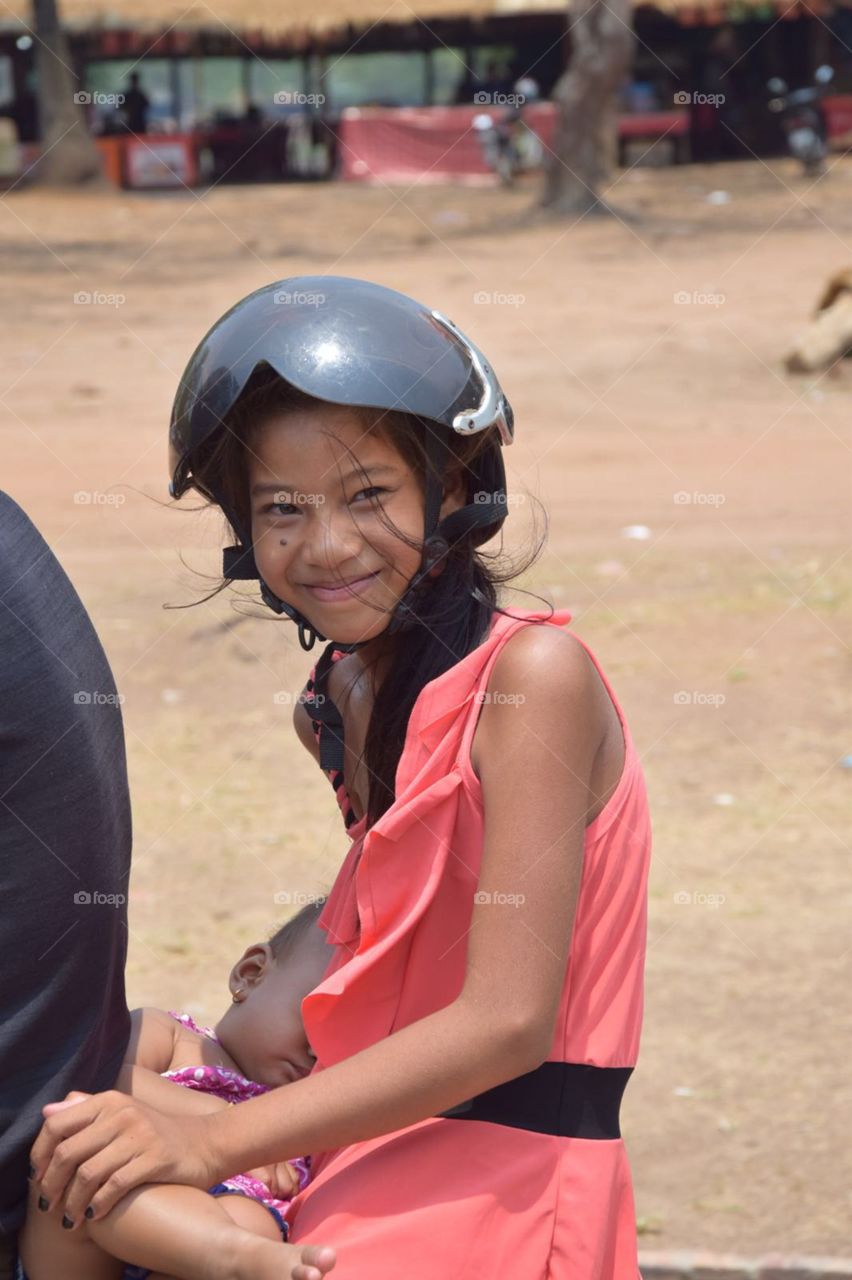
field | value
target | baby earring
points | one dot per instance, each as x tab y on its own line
237	996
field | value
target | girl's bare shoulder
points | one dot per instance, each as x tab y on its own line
539	671
547	659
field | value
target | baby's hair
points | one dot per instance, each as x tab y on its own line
285	940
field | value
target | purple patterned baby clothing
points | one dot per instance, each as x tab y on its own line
233	1087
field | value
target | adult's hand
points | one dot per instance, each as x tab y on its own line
94	1148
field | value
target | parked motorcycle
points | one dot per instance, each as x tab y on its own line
509	145
803	119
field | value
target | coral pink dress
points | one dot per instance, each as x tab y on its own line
462	1198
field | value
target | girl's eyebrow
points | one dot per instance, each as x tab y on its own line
378	468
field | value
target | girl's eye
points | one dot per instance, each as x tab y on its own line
287	508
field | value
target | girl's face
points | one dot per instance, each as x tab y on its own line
264	1032
320	540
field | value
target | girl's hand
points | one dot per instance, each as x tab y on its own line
281	1179
94	1148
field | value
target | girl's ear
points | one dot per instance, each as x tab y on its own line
251	967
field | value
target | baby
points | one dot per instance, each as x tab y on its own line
259	1044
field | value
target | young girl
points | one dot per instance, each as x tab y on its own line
258	1044
481	1015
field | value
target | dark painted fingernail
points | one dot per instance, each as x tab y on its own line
43	1204
66	1222
90	1213
30	1169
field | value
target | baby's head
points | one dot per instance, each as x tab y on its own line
262	1029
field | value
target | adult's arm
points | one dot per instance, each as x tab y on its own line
500	1026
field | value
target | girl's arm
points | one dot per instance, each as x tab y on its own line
534	758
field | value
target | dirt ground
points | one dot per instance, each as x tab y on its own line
738	600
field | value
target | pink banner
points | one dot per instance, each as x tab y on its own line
434	144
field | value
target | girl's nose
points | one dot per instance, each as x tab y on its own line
330	540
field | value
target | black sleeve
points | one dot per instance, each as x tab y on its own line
65	838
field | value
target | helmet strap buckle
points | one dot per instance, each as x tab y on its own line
307	641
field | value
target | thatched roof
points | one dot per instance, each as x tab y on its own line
273	19
270	18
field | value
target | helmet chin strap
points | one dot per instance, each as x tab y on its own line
239	562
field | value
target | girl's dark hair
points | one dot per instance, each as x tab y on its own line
453	610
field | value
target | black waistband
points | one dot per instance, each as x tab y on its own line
572	1099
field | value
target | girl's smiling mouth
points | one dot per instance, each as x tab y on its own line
343	592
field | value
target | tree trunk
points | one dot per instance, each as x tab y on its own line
586	95
69	157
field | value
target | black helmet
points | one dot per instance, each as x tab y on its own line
350	342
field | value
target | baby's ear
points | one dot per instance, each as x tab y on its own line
234	980
252	963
